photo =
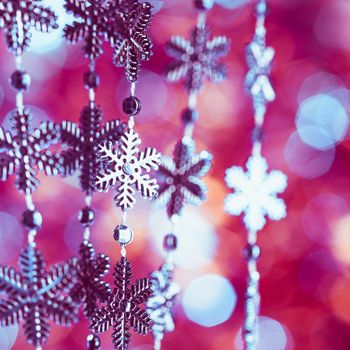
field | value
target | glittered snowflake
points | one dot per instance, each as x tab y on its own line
35	295
96	24
133	45
180	178
125	167
83	144
160	305
24	150
123	311
90	287
259	59
17	17
197	58
255	193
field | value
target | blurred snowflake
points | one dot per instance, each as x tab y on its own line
35	296
180	178
255	193
197	59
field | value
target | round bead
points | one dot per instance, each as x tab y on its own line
170	242
251	251
86	216
123	234
131	105
189	116
203	4
20	80
93	342
32	219
91	80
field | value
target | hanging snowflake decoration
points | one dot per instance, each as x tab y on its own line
160	305
125	167
197	59
180	178
35	295
22	151
133	45
255	193
122	311
90	287
17	18
83	141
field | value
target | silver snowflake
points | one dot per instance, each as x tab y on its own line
124	170
160	305
255	193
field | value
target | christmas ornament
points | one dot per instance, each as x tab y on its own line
255	191
181	177
127	170
34	295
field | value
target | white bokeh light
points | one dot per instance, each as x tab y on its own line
232	4
209	300
8	336
197	242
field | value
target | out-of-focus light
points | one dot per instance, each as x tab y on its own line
197	241
306	161
341	240
1	95
339	299
209	300
11	237
272	335
321	216
8	336
232	4
73	234
322	121
156	5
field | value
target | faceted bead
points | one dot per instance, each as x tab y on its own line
203	4
251	251
189	116
131	105
86	216
170	242
93	342
123	234
20	80
91	80
32	219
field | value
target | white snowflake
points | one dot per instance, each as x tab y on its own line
255	193
125	169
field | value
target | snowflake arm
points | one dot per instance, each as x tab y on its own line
10	280
141	291
61	310
12	311
7	167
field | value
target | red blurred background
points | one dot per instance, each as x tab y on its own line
305	259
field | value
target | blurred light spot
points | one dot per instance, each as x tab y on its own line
272	335
157	5
197	242
209	300
8	336
339	299
11	237
73	234
232	4
306	161
1	96
320	216
341	240
322	121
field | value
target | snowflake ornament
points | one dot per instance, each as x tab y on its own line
35	295
124	170
180	178
21	151
83	142
197	59
160	305
122	311
90	287
255	193
133	45
17	17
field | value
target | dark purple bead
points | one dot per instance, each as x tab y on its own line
93	342
91	80
131	105
203	4
86	216
189	116
170	242
32	219
20	80
257	134
251	251
123	234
